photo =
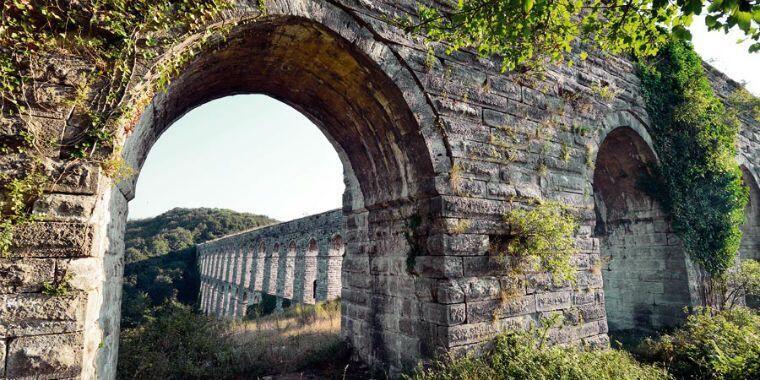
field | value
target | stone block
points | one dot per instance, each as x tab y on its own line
553	300
37	313
497	309
438	266
458	244
482	266
2	358
480	288
72	177
445	315
27	275
472	333
52	239
45	356
47	131
64	207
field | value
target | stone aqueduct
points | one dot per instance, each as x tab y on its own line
297	261
446	140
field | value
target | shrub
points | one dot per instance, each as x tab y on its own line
266	306
175	344
543	239
522	356
742	282
711	345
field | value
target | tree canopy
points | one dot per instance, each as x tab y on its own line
529	33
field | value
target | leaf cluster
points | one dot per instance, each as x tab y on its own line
543	238
529	33
16	198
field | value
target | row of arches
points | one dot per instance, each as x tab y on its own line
234	277
648	279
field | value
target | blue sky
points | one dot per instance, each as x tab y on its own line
246	153
253	153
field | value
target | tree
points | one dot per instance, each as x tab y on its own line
529	33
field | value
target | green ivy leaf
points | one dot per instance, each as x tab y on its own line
528	5
681	33
744	20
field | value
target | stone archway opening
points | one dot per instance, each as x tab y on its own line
644	267
750	244
388	168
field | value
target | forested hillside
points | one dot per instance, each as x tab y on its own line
160	256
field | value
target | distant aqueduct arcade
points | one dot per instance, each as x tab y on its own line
298	261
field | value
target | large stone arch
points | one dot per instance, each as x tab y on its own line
645	270
323	62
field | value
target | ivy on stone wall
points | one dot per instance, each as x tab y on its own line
112	38
698	182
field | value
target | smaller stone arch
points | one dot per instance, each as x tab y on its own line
309	285
258	275
627	119
248	267
274	266
645	271
289	271
750	244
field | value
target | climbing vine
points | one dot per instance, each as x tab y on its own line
114	40
699	182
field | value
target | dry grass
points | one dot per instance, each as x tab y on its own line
301	338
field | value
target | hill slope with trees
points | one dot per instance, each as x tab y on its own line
160	256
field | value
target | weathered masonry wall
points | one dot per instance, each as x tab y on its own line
446	141
299	260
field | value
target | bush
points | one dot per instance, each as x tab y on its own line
266	306
742	282
542	238
521	356
711	345
175	344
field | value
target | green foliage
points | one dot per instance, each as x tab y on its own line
701	185
528	33
160	261
110	34
524	356
711	345
741	282
16	198
542	238
175	343
57	288
743	102
266	306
